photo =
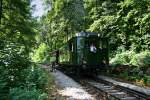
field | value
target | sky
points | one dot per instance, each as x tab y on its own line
39	8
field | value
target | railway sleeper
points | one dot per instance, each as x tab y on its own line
106	89
111	93
96	84
103	87
138	92
125	98
129	98
118	94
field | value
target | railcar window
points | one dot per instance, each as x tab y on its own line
80	43
93	48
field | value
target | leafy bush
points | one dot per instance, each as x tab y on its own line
124	75
25	94
137	71
147	79
122	58
35	76
141	59
19	78
41	54
13	59
3	90
130	57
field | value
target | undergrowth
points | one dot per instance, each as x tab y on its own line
132	66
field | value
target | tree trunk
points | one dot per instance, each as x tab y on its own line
1	8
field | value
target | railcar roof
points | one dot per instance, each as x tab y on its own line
86	34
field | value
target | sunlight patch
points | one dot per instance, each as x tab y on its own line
75	93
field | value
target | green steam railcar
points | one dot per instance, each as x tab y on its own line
86	51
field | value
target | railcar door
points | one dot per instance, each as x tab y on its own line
72	50
92	51
80	49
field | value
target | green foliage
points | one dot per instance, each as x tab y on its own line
26	94
103	25
147	79
13	59
129	57
16	21
64	57
18	81
32	86
142	59
3	89
124	75
139	69
125	22
41	54
15	71
34	76
62	22
122	58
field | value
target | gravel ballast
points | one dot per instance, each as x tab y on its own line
70	89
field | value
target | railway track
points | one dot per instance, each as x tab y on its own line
110	92
139	92
106	90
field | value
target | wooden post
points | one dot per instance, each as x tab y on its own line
57	56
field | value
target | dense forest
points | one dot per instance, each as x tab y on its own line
20	78
26	41
125	22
